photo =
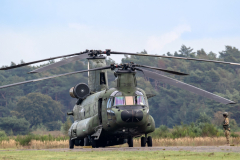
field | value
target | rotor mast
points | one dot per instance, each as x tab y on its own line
97	80
126	81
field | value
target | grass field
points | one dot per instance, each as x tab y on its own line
198	141
109	155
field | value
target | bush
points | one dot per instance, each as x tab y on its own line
193	130
54	126
25	140
234	135
14	126
161	132
2	134
208	130
65	126
39	128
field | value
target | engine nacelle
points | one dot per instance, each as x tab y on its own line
80	91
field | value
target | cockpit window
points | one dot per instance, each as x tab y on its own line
119	101
128	100
138	93
109	103
139	100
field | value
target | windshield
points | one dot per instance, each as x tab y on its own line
128	100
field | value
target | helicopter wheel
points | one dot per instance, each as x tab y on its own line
94	143
71	143
82	142
86	141
143	141
149	141
130	142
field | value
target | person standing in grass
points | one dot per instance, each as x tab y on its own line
226	126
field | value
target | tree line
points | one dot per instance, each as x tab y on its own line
46	102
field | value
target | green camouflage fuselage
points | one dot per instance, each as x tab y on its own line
102	110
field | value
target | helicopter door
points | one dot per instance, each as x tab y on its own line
100	110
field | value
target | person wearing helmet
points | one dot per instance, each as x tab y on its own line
226	126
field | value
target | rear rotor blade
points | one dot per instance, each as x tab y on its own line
60	63
164	70
60	75
26	64
185	86
194	59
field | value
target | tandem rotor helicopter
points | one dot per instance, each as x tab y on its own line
106	116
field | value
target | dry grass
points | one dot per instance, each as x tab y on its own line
48	144
199	141
8	144
237	133
34	144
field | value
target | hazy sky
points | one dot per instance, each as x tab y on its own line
32	30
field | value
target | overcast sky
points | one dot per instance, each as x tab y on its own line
32	30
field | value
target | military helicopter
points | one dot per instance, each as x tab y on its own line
106	116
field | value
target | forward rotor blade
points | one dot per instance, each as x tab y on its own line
194	59
164	70
185	86
26	64
60	63
60	75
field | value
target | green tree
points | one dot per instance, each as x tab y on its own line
38	108
4	112
185	52
14	125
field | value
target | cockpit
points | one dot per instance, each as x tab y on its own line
130	105
116	99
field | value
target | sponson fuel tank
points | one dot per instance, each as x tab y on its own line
81	129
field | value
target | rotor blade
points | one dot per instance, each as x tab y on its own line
60	75
164	70
185	86
60	63
194	59
25	64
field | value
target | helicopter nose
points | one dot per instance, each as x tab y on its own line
132	115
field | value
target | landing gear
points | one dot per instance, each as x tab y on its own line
82	142
86	141
71	143
94	143
149	141
130	142
143	141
